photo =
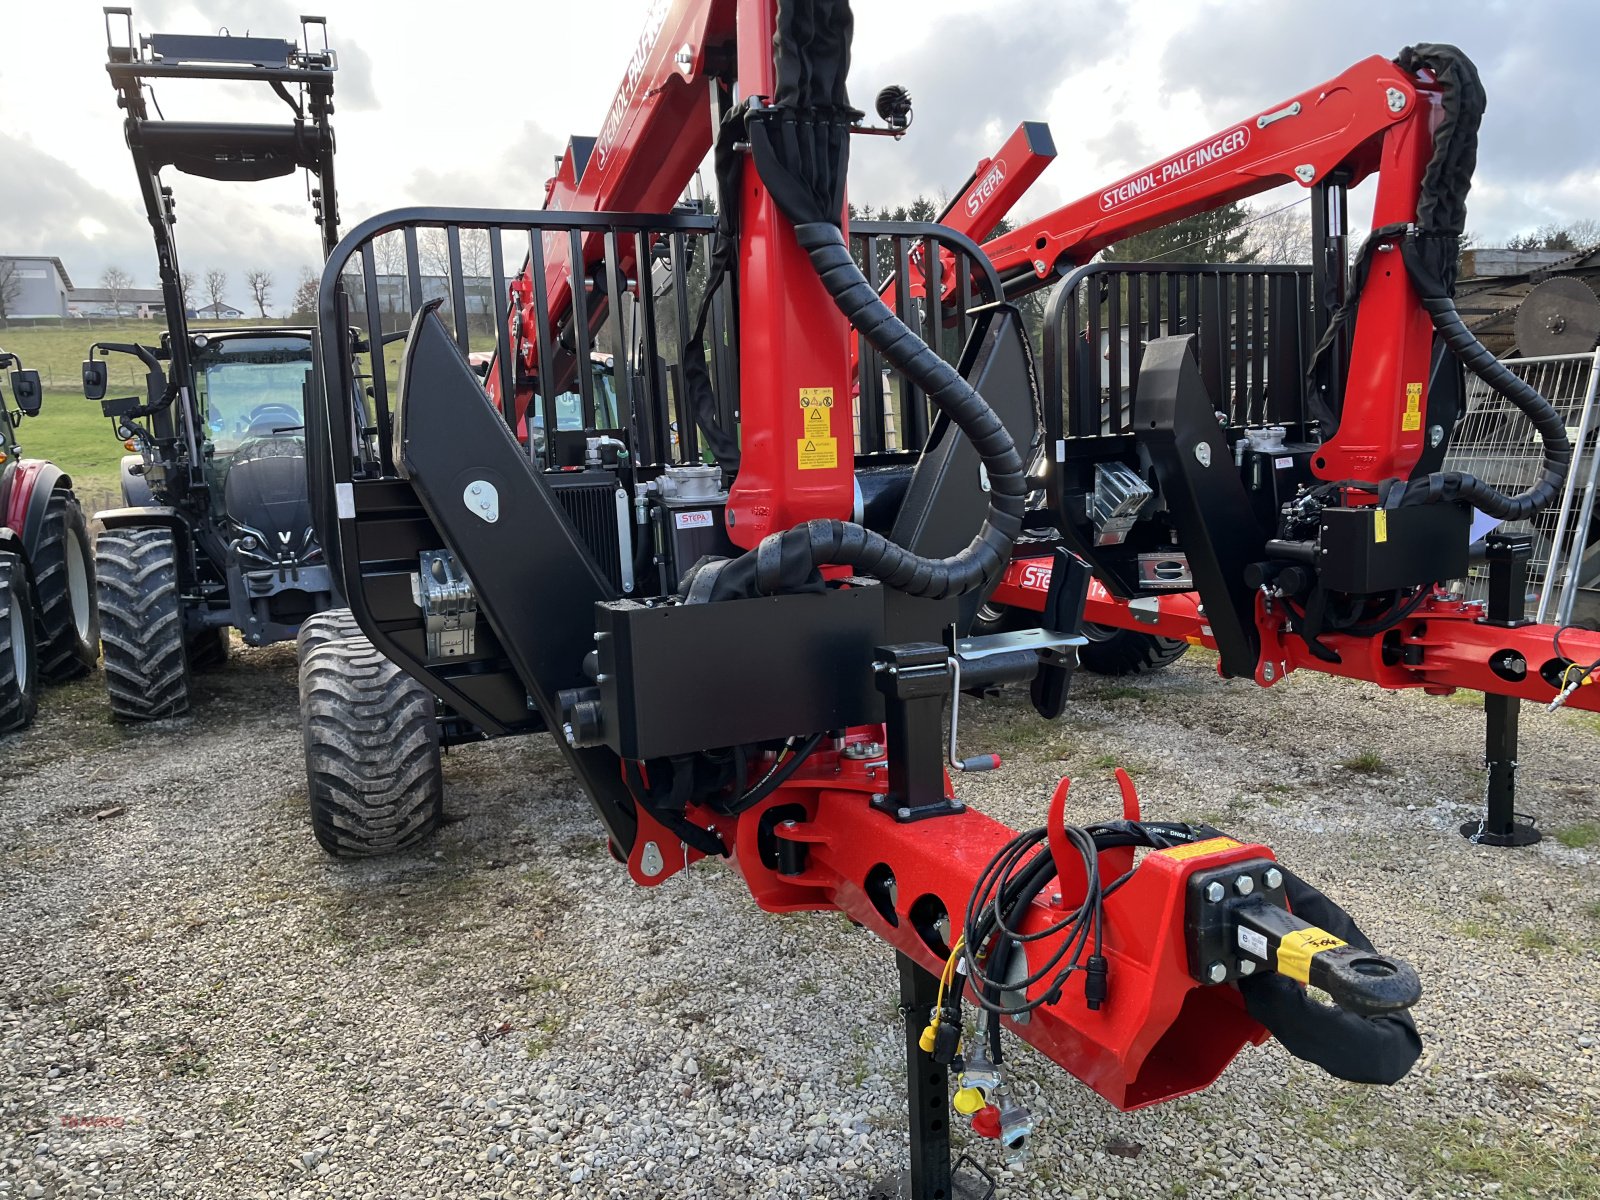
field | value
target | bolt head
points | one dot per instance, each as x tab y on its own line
1273	878
1244	885
1216	972
904	814
1247	966
1215	892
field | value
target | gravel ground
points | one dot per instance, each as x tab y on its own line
198	1003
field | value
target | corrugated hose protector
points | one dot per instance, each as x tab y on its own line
800	146
1431	252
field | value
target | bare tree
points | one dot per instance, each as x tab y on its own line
305	297
186	286
260	284
216	285
10	287
116	282
1283	236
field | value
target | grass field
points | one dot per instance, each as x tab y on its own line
70	431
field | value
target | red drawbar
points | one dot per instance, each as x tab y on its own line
1159	1034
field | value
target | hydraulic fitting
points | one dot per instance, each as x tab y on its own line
1016	1126
980	1072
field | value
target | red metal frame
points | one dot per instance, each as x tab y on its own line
1457	647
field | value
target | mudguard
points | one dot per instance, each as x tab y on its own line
30	495
136	491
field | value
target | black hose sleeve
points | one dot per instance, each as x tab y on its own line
1460	485
787	561
834	541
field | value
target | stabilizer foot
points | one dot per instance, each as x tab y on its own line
1520	831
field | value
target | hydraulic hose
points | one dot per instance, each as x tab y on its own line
1460	485
833	541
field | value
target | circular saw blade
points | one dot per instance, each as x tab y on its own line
1559	316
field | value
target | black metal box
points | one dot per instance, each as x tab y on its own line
685	677
1368	550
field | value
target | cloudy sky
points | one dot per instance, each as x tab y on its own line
467	103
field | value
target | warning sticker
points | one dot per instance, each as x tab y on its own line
1197	849
817	454
1411	419
818	450
1297	949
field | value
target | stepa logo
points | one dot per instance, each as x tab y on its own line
986	188
1180	166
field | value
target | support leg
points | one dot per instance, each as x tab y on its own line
1508	588
930	1176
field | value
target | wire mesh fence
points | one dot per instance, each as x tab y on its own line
1499	445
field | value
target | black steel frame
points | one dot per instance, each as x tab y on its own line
369	519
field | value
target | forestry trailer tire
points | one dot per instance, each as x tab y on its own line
371	733
1124	652
19	659
63	583
141	623
330	625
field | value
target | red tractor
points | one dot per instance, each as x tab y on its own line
49	631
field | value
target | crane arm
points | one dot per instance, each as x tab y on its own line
1336	126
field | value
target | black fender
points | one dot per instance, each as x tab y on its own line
147	514
136	491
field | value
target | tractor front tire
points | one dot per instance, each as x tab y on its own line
371	734
141	623
1124	652
19	660
63	582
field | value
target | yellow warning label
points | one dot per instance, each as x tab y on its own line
1197	849
1380	525
817	404
1297	950
818	453
1411	420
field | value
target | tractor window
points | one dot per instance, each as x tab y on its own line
252	389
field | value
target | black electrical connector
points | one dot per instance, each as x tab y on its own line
947	1038
1094	983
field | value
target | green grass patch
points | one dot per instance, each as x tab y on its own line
1580	836
1368	762
1537	940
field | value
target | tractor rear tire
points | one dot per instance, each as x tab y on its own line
371	733
141	623
63	583
210	648
19	659
330	625
1124	652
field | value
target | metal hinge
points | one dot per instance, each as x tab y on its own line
449	605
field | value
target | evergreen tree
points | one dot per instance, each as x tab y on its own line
1221	235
